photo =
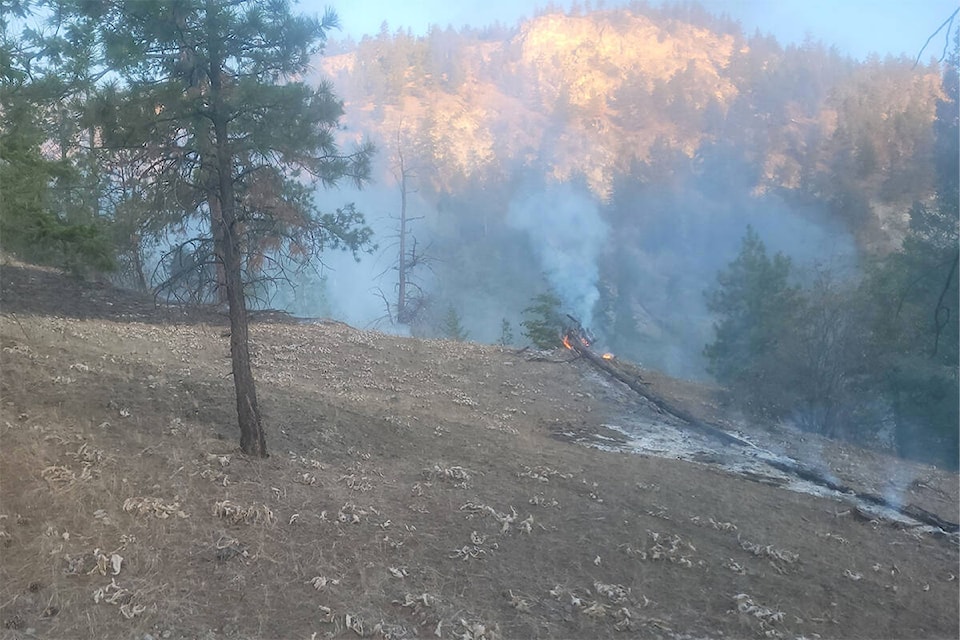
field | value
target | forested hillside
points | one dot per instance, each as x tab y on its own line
614	159
608	321
617	97
703	201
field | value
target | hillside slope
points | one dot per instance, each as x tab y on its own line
620	96
414	489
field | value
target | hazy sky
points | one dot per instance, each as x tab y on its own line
856	27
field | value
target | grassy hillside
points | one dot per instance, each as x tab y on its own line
416	489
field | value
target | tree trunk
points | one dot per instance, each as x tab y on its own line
252	441
227	247
220	287
402	266
136	252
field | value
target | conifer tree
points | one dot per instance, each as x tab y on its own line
453	327
754	303
35	221
543	323
215	90
916	305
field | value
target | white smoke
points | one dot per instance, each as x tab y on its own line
567	234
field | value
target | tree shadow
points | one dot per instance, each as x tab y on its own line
32	290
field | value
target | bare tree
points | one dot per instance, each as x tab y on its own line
409	298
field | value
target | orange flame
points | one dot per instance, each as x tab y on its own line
607	356
566	342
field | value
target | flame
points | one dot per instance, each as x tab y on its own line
585	342
607	356
566	342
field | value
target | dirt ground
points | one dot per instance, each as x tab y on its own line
415	489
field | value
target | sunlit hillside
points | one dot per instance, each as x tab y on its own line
618	95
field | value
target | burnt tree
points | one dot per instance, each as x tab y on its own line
405	308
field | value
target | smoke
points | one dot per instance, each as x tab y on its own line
567	234
671	242
351	288
897	487
640	287
339	288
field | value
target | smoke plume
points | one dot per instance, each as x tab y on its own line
567	234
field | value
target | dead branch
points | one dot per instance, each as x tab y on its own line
911	511
940	320
948	23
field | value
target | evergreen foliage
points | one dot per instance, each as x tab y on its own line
452	326
915	330
506	334
543	323
37	222
753	302
845	358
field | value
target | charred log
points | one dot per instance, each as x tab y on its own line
637	384
911	511
576	342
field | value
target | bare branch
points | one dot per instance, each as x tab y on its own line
948	23
941	314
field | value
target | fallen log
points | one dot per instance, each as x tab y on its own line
909	510
922	515
662	404
791	467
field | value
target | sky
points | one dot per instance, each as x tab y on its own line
856	27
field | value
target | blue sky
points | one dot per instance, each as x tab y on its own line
856	27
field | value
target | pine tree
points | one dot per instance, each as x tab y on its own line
453	327
213	88
754	303
542	322
35	219
915	336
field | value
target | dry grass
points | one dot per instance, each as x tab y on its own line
414	490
